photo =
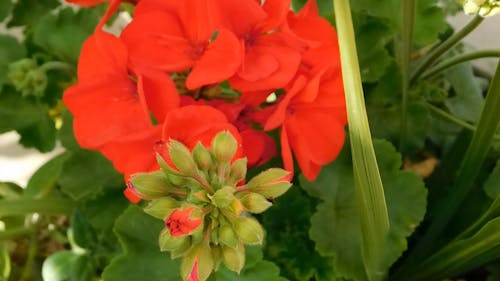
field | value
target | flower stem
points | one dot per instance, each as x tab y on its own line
455	120
459	59
408	7
57	65
15	232
369	191
44	206
442	48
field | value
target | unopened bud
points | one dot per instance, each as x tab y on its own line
162	207
169	243
249	230
150	185
238	170
182	159
234	258
27	77
202	157
223	197
270	183
227	236
224	146
254	202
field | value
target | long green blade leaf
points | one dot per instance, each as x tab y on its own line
369	191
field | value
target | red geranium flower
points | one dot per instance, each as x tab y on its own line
178	37
180	223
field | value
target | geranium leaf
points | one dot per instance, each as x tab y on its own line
335	227
62	34
16	112
45	178
10	51
86	174
29	12
67	265
5	7
41	135
141	259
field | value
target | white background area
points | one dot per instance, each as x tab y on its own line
17	163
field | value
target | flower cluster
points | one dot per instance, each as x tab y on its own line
258	67
484	8
206	209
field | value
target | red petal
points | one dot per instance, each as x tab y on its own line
258	147
198	20
86	3
286	152
146	6
240	16
257	64
276	10
219	62
160	93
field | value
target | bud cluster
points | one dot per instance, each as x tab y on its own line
27	77
205	204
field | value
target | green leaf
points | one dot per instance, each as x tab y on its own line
41	135
291	248
86	174
5	7
492	184
142	260
255	269
45	178
63	34
468	100
10	51
65	134
17	113
5	263
29	12
83	234
335	225
65	265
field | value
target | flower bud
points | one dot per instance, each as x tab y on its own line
27	78
254	202
227	236
234	258
169	243
198	259
271	183
184	221
223	197
202	157
238	170
162	207
182	159
224	146
249	230
198	197
150	185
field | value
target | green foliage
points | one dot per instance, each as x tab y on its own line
28	12
492	184
87	174
44	180
288	243
66	265
63	34
10	51
5	7
335	225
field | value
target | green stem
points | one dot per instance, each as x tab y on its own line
30	260
459	59
408	7
471	164
15	232
369	191
56	65
44	206
442	48
453	119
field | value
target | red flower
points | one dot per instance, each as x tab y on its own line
179	37
180	223
111	101
87	3
312	115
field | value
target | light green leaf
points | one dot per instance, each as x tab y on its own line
62	34
5	263
45	178
335	225
141	259
86	174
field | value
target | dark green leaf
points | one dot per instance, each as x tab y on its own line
335	227
45	178
142	259
5	7
16	112
65	134
83	233
41	135
10	51
86	174
62	34
29	12
492	184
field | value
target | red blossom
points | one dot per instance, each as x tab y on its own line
180	223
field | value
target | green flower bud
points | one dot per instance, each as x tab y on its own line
150	185
202	157
268	176
227	236
162	207
254	202
198	197
201	256
224	146
271	183
27	78
238	170
234	258
169	243
223	197
182	159
249	230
